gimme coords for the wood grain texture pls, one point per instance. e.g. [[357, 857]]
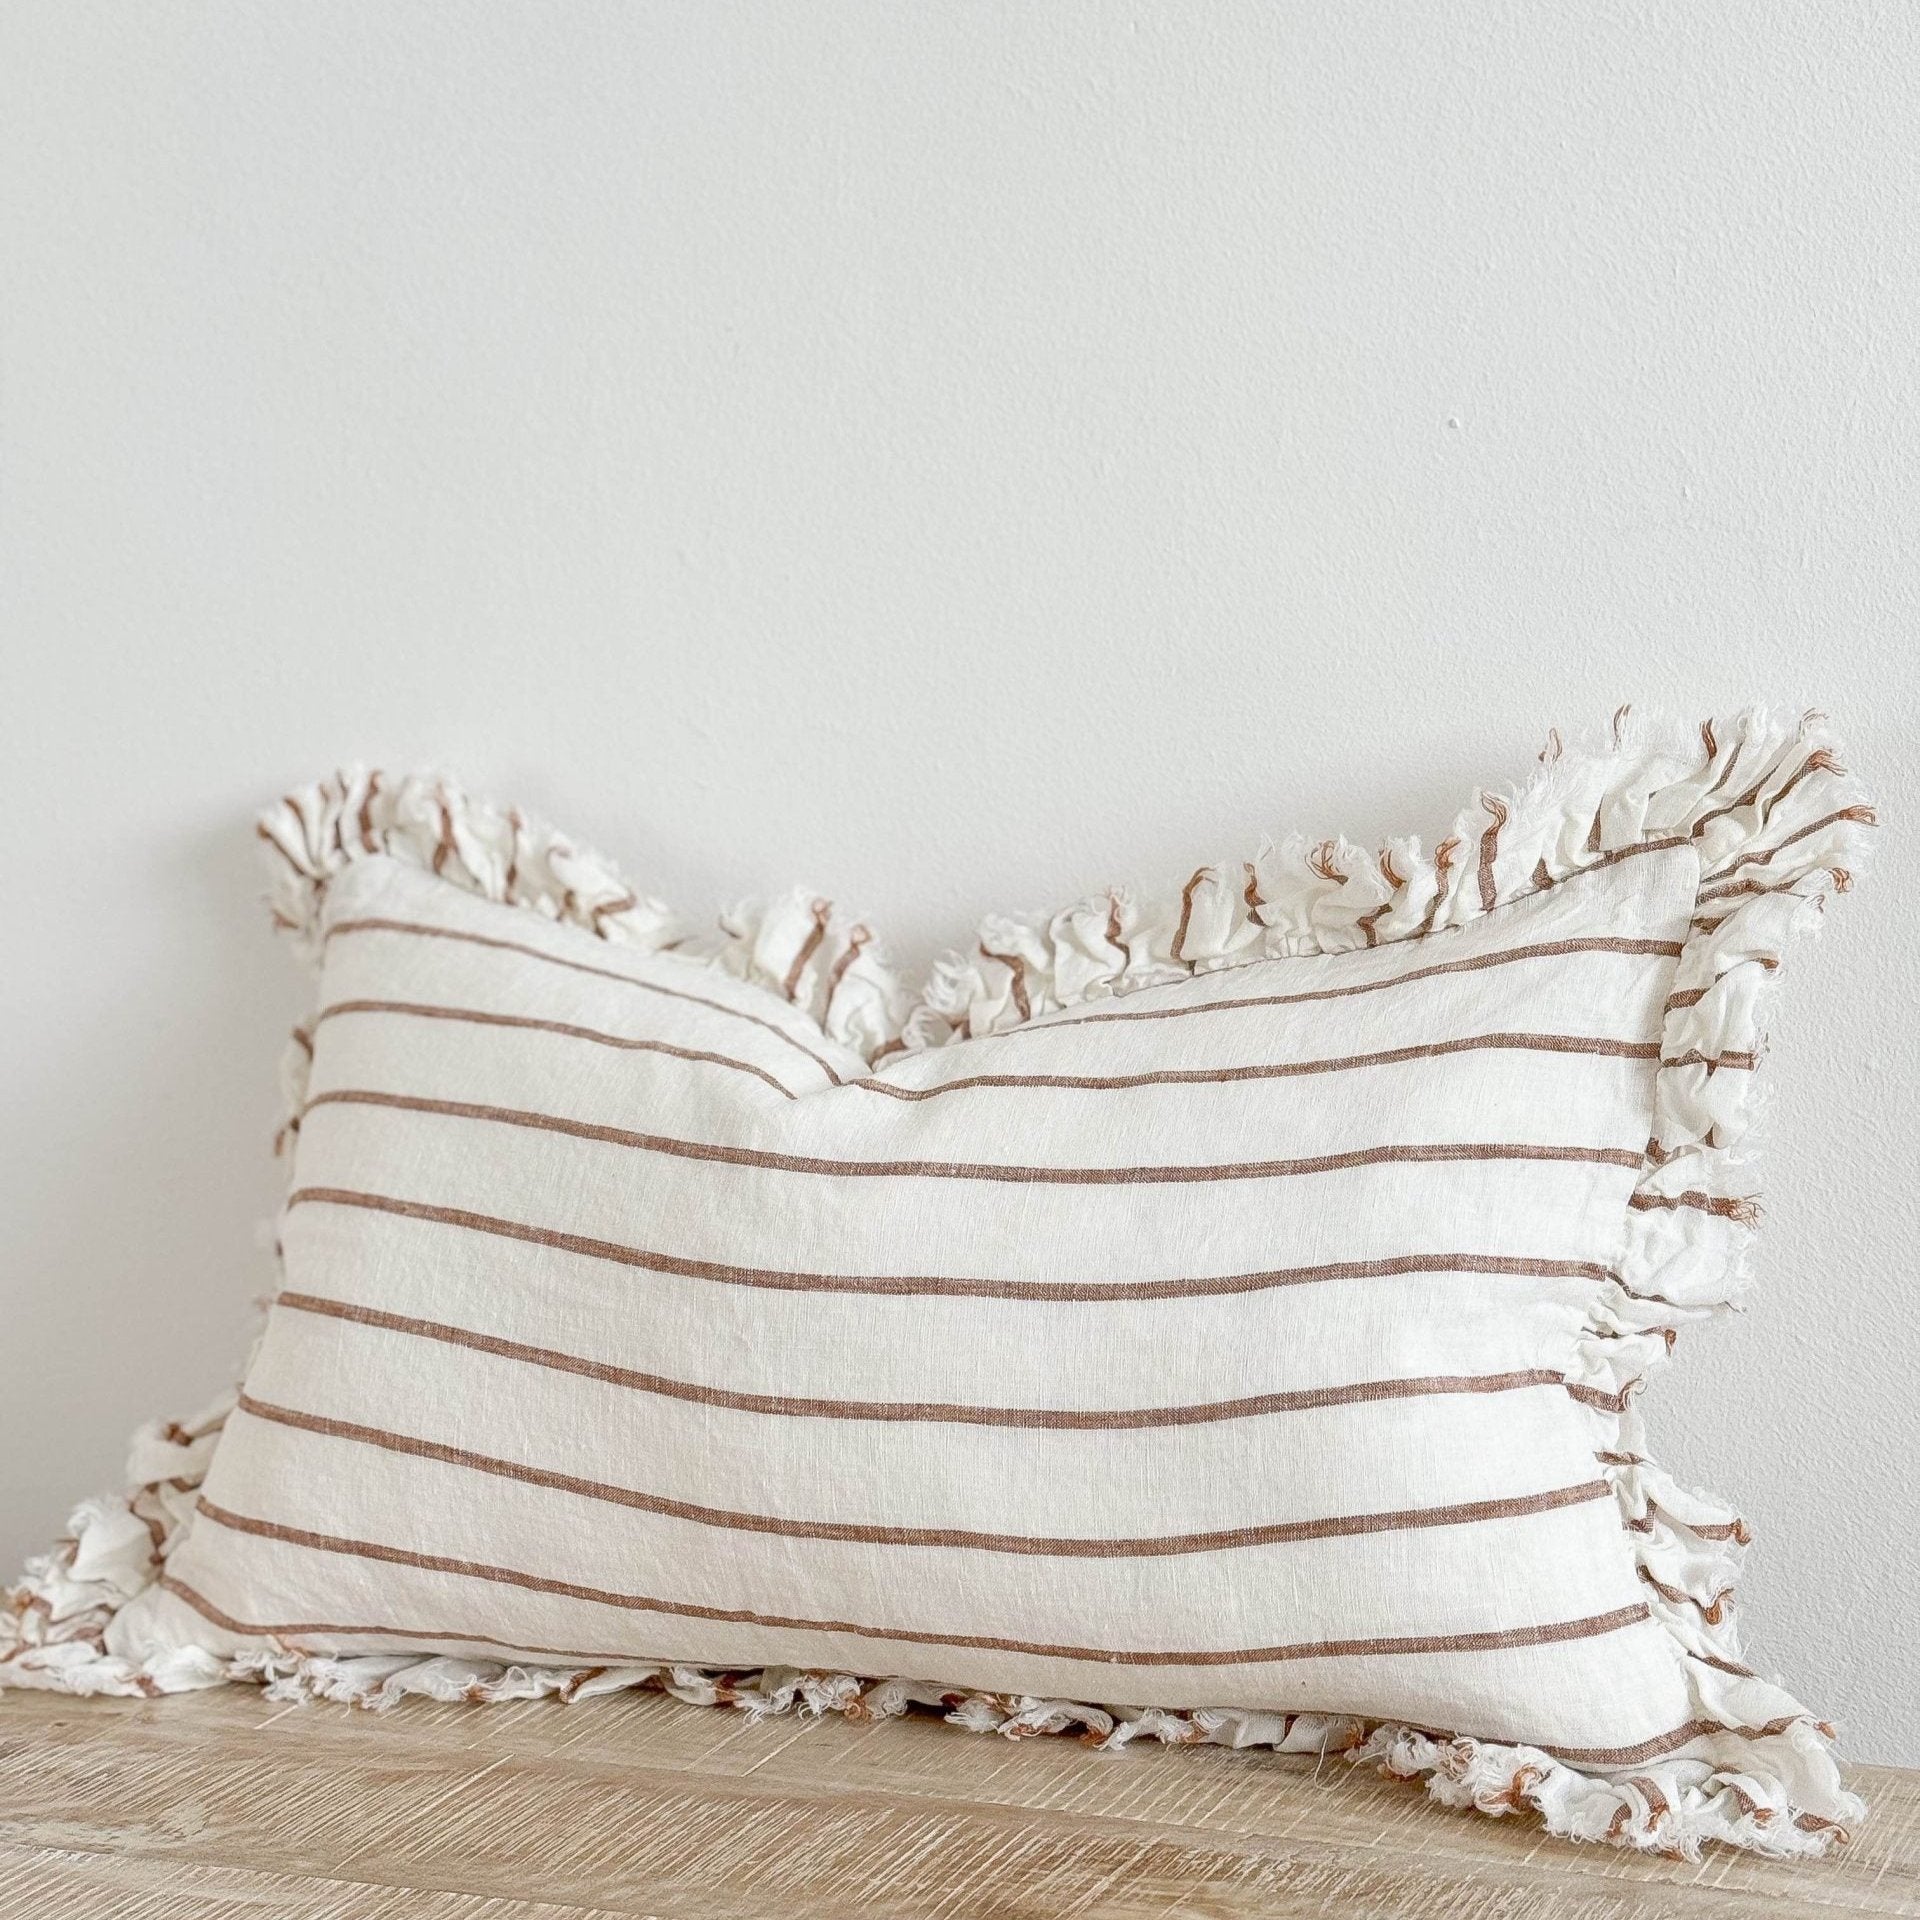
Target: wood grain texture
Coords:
[[219, 1805]]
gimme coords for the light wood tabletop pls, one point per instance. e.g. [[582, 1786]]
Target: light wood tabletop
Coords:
[[219, 1805]]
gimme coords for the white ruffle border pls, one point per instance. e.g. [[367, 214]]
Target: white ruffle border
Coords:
[[1778, 823]]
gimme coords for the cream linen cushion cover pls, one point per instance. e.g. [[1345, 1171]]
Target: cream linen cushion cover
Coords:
[[1215, 1318]]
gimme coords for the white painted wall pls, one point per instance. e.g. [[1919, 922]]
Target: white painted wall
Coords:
[[958, 455]]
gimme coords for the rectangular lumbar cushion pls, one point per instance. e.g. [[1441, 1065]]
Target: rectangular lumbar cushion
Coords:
[[1217, 1316]]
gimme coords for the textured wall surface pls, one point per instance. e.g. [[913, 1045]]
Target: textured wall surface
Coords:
[[959, 457]]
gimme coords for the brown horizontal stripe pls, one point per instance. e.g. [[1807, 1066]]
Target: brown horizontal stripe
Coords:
[[1287, 1070], [473, 1016], [1864, 815], [1743, 1208], [1711, 1611], [421, 930], [1538, 950], [1594, 1397], [1668, 1742], [706, 1150], [960, 1287], [1495, 1640], [1194, 1076], [1734, 1529], [1612, 858], [1714, 1062], [1278, 1533], [1068, 1419], [414, 1636], [1749, 889], [1601, 1757]]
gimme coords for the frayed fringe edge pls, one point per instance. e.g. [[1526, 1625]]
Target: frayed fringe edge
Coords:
[[1755, 789], [1778, 825], [1673, 1807], [819, 961]]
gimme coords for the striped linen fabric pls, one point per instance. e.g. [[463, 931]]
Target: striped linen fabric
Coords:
[[1231, 1307]]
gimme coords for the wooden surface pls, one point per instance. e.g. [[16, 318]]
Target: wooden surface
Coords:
[[218, 1805]]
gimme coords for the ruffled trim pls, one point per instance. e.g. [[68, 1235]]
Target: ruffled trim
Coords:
[[53, 1628], [1737, 790], [1672, 1808], [827, 965], [1778, 824]]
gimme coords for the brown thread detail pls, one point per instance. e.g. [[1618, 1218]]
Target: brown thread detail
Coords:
[[1252, 896], [447, 847], [367, 839], [1444, 1152], [1368, 923], [1524, 1780], [1186, 915], [1726, 772], [1613, 856], [1542, 879], [473, 1016], [822, 911], [1606, 1402], [1113, 932], [420, 930], [1744, 1210], [1665, 1743], [1322, 862], [517, 826], [1821, 760], [1711, 1611], [1561, 1043], [1015, 966], [1489, 844], [1119, 1419], [1537, 950], [607, 909], [1817, 1823], [1865, 816], [263, 832], [1735, 1529], [1038, 1546], [1499, 1640], [330, 1630], [1744, 889], [1746, 799], [916, 1285], [1442, 866], [857, 939]]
